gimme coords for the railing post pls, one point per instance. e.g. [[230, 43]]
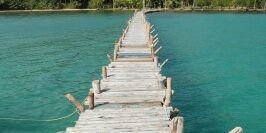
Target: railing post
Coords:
[[176, 125], [73, 100], [168, 92], [96, 86], [104, 72], [115, 50], [91, 100], [155, 60]]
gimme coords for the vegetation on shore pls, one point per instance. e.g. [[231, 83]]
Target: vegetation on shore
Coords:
[[82, 4]]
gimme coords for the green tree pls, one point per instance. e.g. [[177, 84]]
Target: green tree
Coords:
[[96, 3]]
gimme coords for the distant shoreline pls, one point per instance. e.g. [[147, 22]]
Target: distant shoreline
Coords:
[[186, 9], [64, 10], [219, 9]]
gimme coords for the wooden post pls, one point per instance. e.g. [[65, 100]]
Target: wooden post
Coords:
[[152, 51], [155, 60], [104, 72], [180, 123], [236, 130], [168, 92], [176, 125], [172, 125], [91, 100], [116, 50], [73, 100], [96, 86]]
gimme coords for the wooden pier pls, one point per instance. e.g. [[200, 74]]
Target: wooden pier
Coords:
[[132, 95]]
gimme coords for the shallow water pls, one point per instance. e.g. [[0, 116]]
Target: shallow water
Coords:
[[217, 61], [218, 65], [44, 55]]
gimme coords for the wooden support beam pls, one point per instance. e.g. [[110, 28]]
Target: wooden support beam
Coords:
[[155, 60], [236, 130], [155, 35], [91, 100], [156, 39], [104, 72], [155, 43], [152, 26], [180, 125], [73, 100], [157, 50], [96, 86], [152, 31], [165, 61], [168, 92], [176, 125]]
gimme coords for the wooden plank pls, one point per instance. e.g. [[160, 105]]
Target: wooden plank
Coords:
[[117, 130], [131, 116], [134, 60], [132, 93], [129, 89]]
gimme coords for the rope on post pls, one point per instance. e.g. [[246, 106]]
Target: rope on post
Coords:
[[37, 120], [44, 120]]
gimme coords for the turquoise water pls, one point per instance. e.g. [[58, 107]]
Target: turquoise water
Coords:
[[218, 65], [217, 61], [44, 55]]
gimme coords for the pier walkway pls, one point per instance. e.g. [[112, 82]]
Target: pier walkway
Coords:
[[132, 95]]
